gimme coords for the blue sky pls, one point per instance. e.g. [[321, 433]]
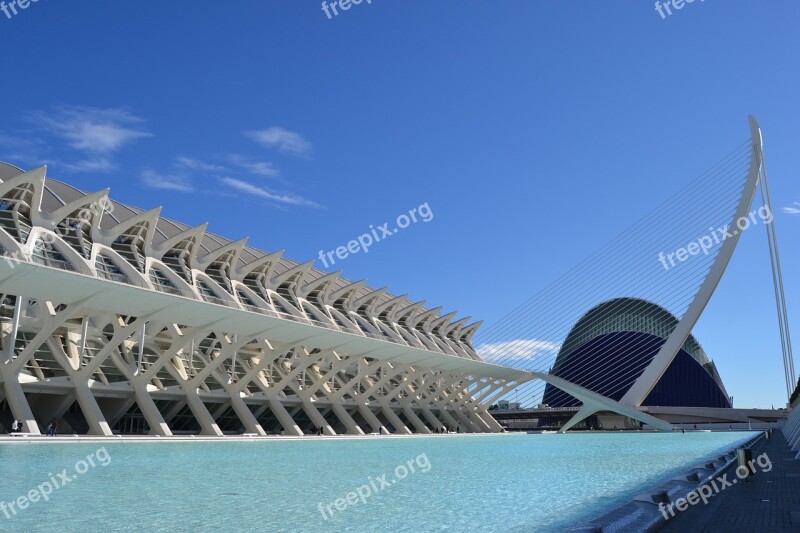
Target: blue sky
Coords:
[[534, 131]]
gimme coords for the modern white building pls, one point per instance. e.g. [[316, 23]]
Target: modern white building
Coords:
[[116, 320]]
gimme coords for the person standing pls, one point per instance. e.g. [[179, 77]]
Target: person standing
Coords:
[[14, 426]]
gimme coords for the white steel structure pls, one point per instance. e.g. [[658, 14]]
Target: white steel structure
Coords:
[[117, 320], [636, 269]]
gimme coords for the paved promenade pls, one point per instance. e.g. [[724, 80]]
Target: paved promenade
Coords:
[[72, 439], [770, 503]]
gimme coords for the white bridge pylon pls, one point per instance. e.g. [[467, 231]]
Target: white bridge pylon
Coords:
[[633, 398], [594, 402]]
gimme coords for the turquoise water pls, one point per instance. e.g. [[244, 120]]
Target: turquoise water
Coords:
[[471, 483]]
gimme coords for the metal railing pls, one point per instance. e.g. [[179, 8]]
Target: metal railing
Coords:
[[53, 263], [327, 325], [255, 309], [214, 300], [167, 289], [113, 276]]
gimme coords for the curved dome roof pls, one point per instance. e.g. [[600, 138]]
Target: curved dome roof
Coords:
[[57, 194], [627, 314]]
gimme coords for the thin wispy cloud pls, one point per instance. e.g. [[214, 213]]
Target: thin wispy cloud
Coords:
[[178, 178], [170, 182], [98, 164], [18, 149], [281, 139], [791, 210], [99, 133], [266, 194], [96, 134], [92, 129], [189, 163], [518, 350], [255, 167]]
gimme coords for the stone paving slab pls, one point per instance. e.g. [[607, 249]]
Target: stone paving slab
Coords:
[[768, 503]]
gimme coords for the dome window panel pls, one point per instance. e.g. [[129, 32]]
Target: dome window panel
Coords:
[[162, 283], [46, 254], [177, 259], [15, 212], [130, 245], [208, 293], [76, 231], [108, 269]]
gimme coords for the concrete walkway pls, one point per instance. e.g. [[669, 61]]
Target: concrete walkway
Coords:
[[72, 439], [769, 503]]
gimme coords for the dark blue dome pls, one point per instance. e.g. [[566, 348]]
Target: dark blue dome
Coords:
[[612, 344]]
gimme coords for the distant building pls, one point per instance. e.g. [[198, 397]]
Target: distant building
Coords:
[[505, 405], [621, 337]]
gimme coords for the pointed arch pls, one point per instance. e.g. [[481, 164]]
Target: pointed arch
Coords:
[[180, 251], [648, 379], [340, 298], [20, 200], [76, 222], [219, 264], [442, 323], [421, 321], [256, 274], [453, 331], [321, 286], [385, 310], [403, 316], [365, 305], [131, 237], [469, 331], [285, 284]]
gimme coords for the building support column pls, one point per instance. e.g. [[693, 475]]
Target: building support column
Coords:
[[415, 420], [316, 417], [244, 413], [493, 424], [91, 411], [321, 383], [19, 405], [208, 426], [431, 418], [347, 420], [400, 427], [478, 421], [290, 427], [466, 424], [370, 417], [150, 412]]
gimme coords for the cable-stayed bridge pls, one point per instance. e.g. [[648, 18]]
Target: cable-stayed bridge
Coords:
[[613, 334]]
